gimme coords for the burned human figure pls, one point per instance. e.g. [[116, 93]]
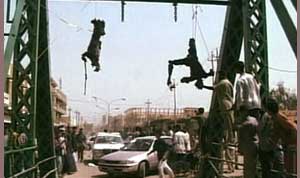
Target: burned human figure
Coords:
[[95, 44], [196, 70]]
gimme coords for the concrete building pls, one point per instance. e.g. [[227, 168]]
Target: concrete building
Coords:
[[59, 100], [141, 116], [7, 96], [59, 103]]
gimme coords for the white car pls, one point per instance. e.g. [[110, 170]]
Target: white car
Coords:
[[106, 143], [135, 158]]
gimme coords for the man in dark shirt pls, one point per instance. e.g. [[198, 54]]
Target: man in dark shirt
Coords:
[[81, 142], [163, 150]]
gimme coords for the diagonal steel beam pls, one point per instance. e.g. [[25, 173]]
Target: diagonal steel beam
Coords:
[[209, 2], [294, 2], [12, 37], [286, 23]]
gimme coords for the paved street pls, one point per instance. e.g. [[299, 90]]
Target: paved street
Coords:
[[86, 170], [89, 170]]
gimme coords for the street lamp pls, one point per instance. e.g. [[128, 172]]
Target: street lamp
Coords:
[[108, 104]]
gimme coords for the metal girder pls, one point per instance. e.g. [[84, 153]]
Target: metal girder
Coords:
[[255, 42], [12, 37], [212, 2], [286, 23], [31, 137], [24, 90], [294, 2], [44, 114], [229, 53]]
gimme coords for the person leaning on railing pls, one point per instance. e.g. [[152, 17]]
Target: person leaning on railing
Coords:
[[286, 131]]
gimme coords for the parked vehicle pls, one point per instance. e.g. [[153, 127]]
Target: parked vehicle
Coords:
[[135, 158], [106, 143]]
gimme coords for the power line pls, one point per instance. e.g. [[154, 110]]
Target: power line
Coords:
[[282, 70]]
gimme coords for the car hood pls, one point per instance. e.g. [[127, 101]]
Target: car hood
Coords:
[[125, 155], [116, 146]]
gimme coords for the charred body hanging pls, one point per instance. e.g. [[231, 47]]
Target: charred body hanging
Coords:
[[93, 51], [196, 70]]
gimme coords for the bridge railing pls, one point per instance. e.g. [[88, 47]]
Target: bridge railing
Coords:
[[219, 172], [15, 164]]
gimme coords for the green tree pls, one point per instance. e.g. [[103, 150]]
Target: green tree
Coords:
[[286, 98]]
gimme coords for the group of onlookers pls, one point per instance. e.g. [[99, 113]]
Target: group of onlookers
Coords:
[[69, 148], [263, 133]]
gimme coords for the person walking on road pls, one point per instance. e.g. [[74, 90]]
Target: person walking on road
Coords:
[[69, 163], [81, 143], [163, 150]]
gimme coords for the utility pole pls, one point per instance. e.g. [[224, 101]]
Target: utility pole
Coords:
[[173, 87], [148, 110], [70, 111], [214, 57]]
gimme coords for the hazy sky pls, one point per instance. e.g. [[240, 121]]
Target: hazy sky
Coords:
[[135, 53]]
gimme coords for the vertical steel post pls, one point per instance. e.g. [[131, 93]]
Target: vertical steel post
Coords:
[[255, 42], [44, 114], [229, 53], [24, 82]]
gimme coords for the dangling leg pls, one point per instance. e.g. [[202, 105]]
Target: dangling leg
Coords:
[[170, 68], [187, 79]]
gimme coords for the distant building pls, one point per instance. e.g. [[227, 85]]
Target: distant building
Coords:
[[141, 116], [59, 100], [7, 107], [7, 96], [59, 103], [116, 123]]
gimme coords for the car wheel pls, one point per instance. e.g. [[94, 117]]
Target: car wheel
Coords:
[[142, 171]]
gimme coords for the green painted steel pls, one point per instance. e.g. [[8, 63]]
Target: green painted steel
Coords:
[[31, 141], [286, 23], [23, 91], [44, 114], [294, 2], [8, 53], [249, 23], [229, 53], [209, 2], [255, 42]]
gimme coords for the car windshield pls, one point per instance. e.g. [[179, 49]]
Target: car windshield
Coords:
[[108, 139], [139, 145]]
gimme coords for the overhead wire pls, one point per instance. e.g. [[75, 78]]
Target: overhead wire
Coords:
[[202, 36], [282, 70]]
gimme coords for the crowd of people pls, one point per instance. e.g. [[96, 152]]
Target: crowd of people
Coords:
[[69, 148], [261, 131], [263, 134]]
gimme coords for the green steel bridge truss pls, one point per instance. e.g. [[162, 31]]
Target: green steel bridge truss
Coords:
[[32, 118]]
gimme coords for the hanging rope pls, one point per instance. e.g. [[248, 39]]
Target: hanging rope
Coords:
[[175, 11], [202, 36], [85, 78], [122, 10], [194, 20]]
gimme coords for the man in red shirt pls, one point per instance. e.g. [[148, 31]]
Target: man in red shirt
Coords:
[[286, 131]]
